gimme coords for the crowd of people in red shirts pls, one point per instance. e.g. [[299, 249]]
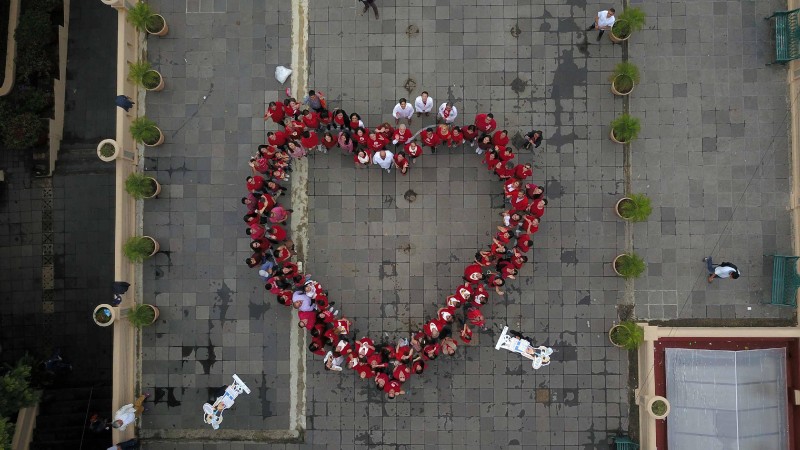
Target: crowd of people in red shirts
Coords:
[[389, 365]]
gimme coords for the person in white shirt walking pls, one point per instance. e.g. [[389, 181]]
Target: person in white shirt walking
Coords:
[[423, 104], [402, 110], [603, 21], [384, 159], [127, 414], [723, 270], [447, 113]]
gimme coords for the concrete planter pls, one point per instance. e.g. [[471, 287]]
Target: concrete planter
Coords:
[[657, 407], [616, 39], [616, 91], [615, 327], [617, 207], [614, 139], [163, 31], [155, 194], [159, 141], [614, 265], [156, 247], [160, 86], [104, 315], [104, 144]]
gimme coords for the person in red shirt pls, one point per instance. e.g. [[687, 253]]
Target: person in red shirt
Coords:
[[466, 333], [328, 141], [524, 243], [311, 119], [255, 183], [401, 373], [533, 191], [418, 366], [402, 135], [430, 138], [316, 345], [500, 138], [364, 371], [413, 150], [449, 346], [380, 380], [529, 224], [340, 120], [475, 316], [275, 112], [537, 207], [365, 347], [362, 158], [376, 142], [433, 328], [470, 135], [310, 140], [481, 295], [446, 314], [485, 122], [510, 187], [355, 122], [393, 388], [505, 154], [523, 171], [456, 137], [431, 351], [361, 136], [473, 274], [506, 269], [401, 162], [276, 138], [490, 159], [497, 283], [385, 130], [325, 119], [276, 233], [520, 201], [443, 134]]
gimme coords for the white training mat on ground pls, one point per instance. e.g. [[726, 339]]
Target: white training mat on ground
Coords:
[[540, 356], [212, 414], [727, 399]]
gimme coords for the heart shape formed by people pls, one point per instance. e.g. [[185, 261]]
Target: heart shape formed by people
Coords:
[[315, 129]]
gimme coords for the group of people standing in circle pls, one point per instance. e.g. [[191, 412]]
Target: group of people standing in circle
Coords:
[[388, 364]]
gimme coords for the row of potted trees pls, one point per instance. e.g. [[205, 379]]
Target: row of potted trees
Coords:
[[140, 186], [625, 76]]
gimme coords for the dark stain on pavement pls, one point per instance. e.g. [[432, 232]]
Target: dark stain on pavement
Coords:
[[519, 85], [554, 189], [568, 257], [169, 392], [566, 76], [258, 308], [266, 409], [585, 300]]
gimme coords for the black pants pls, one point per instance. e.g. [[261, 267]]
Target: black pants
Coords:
[[599, 35], [367, 4]]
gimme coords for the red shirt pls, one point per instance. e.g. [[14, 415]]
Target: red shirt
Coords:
[[277, 138], [521, 172], [537, 208], [278, 233], [387, 132], [276, 113], [481, 295], [505, 154], [413, 151], [434, 348], [456, 137], [430, 139], [362, 138], [402, 165], [416, 364], [355, 124], [446, 313], [472, 273], [256, 231], [402, 136], [321, 350], [375, 359], [365, 371], [482, 124], [340, 120], [433, 324], [522, 243], [377, 144], [469, 136], [288, 110], [282, 255], [463, 292], [382, 376], [519, 203], [499, 140], [401, 369], [311, 120], [255, 184], [444, 135], [366, 347], [528, 225], [328, 144], [309, 142], [392, 386]]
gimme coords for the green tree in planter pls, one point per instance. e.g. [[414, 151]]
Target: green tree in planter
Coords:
[[628, 335], [630, 265], [141, 316], [107, 150], [625, 76], [626, 128], [631, 20], [16, 391], [138, 248], [142, 74], [145, 130], [636, 208], [143, 18], [6, 433], [139, 186]]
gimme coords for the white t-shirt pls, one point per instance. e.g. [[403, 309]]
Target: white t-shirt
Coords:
[[603, 20], [385, 163], [723, 272], [423, 107], [453, 113], [400, 113]]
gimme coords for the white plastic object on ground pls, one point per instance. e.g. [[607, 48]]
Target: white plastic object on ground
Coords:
[[282, 73]]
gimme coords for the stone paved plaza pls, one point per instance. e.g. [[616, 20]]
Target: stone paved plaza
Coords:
[[387, 260]]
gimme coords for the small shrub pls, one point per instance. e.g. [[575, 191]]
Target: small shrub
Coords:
[[138, 248], [632, 19], [16, 391], [630, 265], [637, 208], [659, 408], [626, 128], [627, 335], [22, 131], [139, 186], [144, 130], [143, 18], [141, 316], [625, 76], [142, 74], [6, 433], [107, 150]]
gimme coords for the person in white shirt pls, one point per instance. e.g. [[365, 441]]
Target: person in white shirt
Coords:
[[724, 270], [402, 110], [333, 362], [447, 113], [423, 104], [384, 159], [603, 21], [127, 414]]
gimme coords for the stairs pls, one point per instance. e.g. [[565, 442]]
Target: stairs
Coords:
[[81, 160], [62, 422]]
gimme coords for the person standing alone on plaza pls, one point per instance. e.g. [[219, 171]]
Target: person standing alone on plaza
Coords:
[[723, 270], [603, 21], [367, 5]]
